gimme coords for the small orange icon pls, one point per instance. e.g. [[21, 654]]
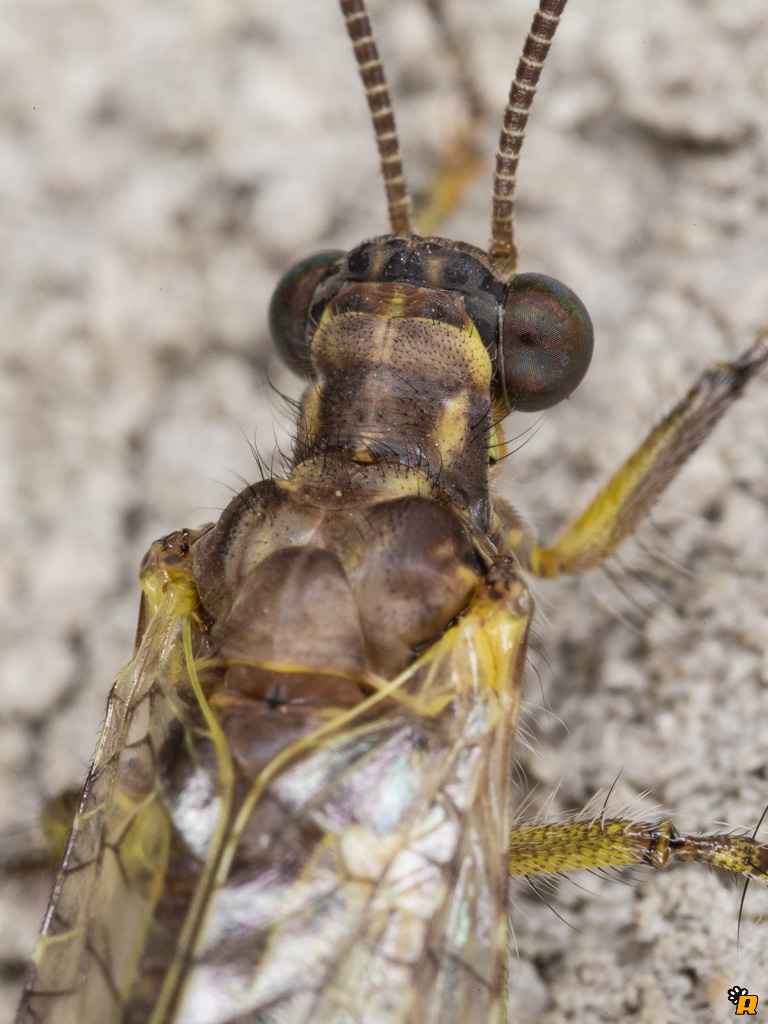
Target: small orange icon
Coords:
[[744, 1002]]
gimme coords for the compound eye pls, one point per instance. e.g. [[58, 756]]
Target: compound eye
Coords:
[[289, 309], [546, 343]]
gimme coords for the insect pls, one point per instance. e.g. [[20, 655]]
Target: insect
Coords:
[[755, 765]]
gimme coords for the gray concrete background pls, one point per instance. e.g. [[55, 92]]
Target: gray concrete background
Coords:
[[162, 162]]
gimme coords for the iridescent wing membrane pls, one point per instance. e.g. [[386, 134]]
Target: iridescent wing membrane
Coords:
[[244, 857]]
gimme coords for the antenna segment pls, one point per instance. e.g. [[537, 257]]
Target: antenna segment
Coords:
[[371, 70], [537, 43]]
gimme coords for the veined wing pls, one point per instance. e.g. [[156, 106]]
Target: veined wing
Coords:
[[378, 892], [114, 869], [359, 876]]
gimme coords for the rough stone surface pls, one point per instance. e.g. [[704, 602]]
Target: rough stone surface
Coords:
[[162, 163]]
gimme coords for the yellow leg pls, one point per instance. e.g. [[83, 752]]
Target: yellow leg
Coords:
[[619, 842], [619, 507]]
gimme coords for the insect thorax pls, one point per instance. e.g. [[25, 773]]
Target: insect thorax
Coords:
[[402, 373]]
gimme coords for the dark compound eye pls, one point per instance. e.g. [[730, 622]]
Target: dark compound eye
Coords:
[[545, 343], [290, 305]]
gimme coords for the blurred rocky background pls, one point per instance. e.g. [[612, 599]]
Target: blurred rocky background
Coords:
[[161, 163]]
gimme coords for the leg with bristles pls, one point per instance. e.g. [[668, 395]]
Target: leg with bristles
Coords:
[[623, 842], [621, 505]]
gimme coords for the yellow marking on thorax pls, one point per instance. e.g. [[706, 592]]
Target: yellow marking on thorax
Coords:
[[452, 428], [394, 481], [449, 358]]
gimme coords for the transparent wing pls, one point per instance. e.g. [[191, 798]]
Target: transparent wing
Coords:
[[367, 873], [359, 875], [114, 868]]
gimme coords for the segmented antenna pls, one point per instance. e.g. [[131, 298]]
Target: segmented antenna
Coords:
[[537, 43], [371, 70]]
